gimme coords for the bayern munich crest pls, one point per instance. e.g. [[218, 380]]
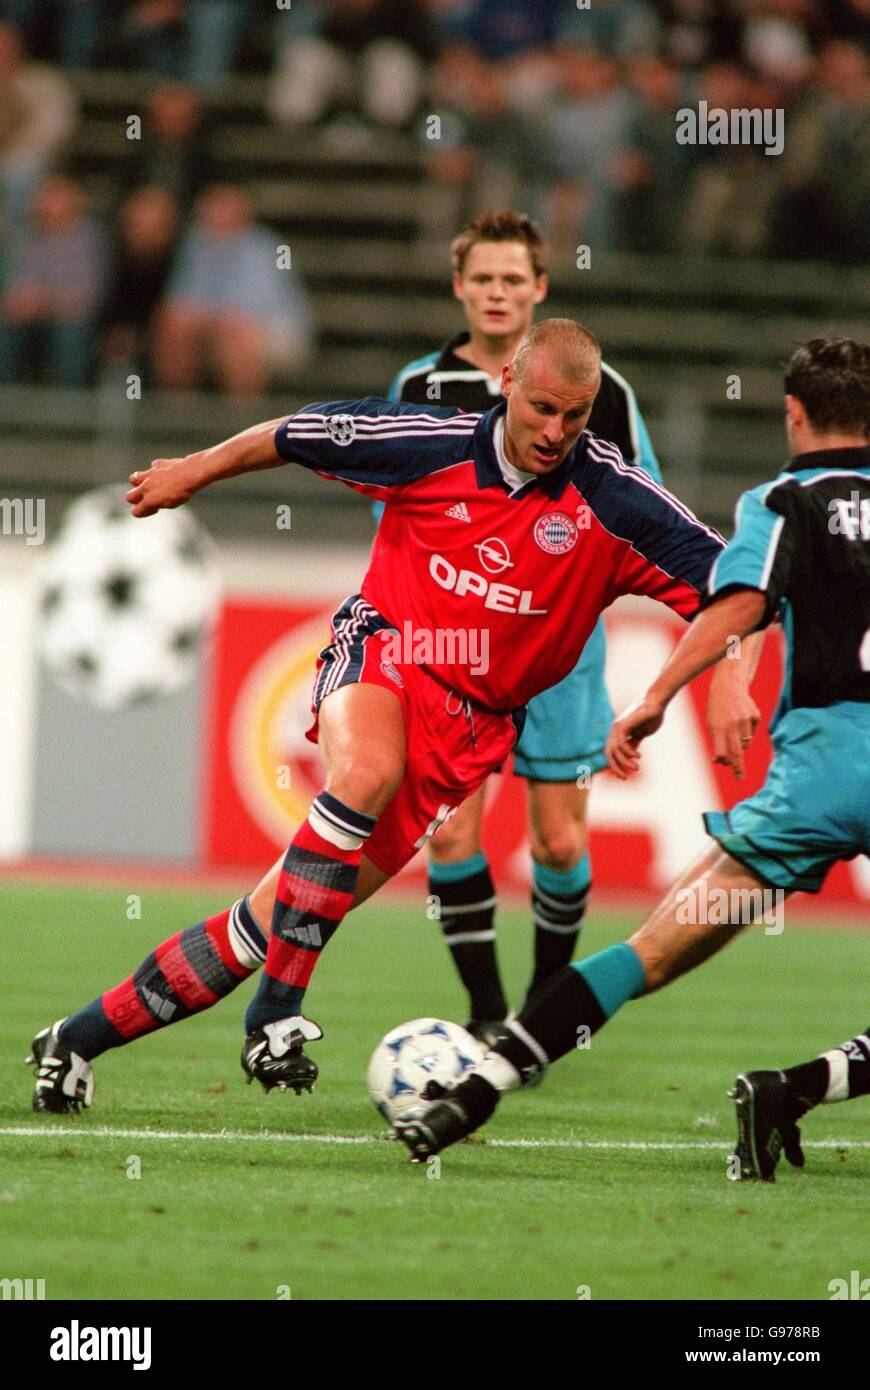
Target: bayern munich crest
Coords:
[[555, 533]]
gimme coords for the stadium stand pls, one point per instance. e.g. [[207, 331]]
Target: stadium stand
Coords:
[[349, 199]]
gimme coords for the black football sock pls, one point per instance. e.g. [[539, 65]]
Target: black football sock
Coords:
[[563, 1015], [465, 896], [559, 899], [841, 1074]]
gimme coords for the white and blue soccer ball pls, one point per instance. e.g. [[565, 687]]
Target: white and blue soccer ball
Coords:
[[414, 1054], [126, 603]]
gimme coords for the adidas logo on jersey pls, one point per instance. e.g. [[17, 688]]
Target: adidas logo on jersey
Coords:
[[459, 512]]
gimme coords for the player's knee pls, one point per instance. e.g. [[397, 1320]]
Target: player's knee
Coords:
[[452, 843], [365, 783], [557, 849]]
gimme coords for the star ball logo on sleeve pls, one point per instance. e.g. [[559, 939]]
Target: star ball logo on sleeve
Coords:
[[555, 533], [340, 428]]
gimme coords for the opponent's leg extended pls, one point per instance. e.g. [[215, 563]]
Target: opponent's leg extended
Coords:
[[580, 998], [461, 884], [196, 968]]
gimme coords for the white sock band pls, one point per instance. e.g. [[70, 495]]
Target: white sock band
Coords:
[[838, 1076], [243, 948], [327, 831]]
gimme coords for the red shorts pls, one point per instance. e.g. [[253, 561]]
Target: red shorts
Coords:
[[452, 745]]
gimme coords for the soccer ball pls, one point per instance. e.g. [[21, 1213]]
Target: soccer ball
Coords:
[[125, 602], [412, 1055]]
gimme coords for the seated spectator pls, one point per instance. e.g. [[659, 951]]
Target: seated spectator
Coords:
[[230, 308], [824, 207], [362, 55], [37, 117], [52, 293], [139, 269], [483, 151], [195, 41], [656, 167], [588, 130], [172, 150], [732, 188]]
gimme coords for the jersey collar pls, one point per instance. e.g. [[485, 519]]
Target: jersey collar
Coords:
[[489, 473], [448, 360], [858, 457]]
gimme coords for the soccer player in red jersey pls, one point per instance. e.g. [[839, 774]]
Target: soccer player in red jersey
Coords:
[[500, 276], [504, 538]]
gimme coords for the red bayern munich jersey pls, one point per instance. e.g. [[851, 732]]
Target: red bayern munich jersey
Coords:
[[532, 569]]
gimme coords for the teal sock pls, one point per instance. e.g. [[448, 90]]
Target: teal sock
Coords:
[[614, 976], [563, 881], [458, 869], [577, 999]]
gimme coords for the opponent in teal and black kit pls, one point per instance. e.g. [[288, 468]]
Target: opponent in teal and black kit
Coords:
[[804, 541]]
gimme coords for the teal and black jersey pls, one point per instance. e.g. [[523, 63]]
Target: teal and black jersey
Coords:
[[803, 540]]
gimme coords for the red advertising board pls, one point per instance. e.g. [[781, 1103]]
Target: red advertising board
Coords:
[[262, 772]]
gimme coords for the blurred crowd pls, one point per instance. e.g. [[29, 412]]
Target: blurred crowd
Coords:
[[565, 107]]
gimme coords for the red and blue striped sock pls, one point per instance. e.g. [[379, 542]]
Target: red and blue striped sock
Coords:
[[186, 974], [315, 890]]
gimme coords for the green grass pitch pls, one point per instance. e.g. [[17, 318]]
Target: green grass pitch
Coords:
[[632, 1215]]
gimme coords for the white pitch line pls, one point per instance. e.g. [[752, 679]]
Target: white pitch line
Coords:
[[262, 1136]]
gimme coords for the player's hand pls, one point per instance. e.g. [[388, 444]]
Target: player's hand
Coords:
[[167, 483], [635, 724], [732, 718]]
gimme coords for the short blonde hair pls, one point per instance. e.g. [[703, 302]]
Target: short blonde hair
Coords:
[[572, 350]]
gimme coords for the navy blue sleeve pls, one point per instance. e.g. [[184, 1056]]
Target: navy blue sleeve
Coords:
[[658, 526], [375, 443]]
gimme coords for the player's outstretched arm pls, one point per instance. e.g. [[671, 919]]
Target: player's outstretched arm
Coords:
[[732, 714], [171, 482], [706, 642]]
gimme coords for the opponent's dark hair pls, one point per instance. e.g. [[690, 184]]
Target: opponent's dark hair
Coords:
[[501, 225], [831, 379]]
